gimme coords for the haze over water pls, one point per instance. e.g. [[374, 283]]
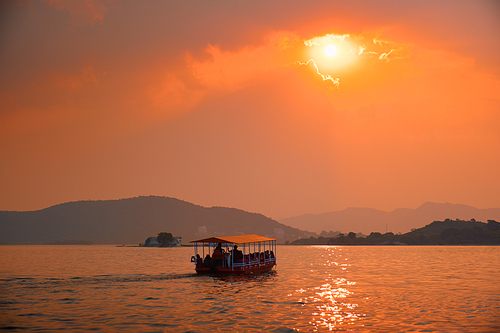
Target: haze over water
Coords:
[[314, 289]]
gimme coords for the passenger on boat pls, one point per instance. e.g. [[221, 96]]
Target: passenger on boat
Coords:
[[238, 255], [218, 255], [198, 260], [218, 252], [206, 262]]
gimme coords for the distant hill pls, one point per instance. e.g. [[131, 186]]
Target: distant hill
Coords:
[[131, 221], [447, 232], [401, 220]]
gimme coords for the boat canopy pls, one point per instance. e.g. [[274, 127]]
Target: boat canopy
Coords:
[[241, 239]]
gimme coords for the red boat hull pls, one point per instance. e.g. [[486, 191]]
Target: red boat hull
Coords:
[[243, 270]]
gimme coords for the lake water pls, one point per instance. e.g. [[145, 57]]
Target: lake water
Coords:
[[314, 289]]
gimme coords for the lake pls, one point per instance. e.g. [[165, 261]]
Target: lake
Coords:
[[314, 289]]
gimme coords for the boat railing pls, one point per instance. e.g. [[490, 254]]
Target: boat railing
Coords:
[[245, 263]]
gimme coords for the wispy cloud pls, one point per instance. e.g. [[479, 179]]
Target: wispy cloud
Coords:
[[328, 38], [325, 77]]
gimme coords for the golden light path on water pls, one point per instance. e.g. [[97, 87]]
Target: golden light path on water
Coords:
[[327, 304]]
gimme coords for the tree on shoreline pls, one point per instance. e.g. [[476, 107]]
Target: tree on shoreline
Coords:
[[164, 239]]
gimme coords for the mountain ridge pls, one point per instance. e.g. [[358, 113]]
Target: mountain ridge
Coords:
[[132, 220], [399, 220]]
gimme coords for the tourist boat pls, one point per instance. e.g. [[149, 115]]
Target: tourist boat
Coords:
[[236, 255]]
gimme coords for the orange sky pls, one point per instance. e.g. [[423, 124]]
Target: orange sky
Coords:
[[217, 103]]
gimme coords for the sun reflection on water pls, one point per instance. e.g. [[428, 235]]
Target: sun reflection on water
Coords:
[[329, 305]]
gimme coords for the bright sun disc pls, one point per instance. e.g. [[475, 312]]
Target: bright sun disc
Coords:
[[330, 50]]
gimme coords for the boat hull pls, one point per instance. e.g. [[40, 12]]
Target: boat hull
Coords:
[[244, 270]]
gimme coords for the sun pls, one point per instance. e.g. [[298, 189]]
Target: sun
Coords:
[[330, 50]]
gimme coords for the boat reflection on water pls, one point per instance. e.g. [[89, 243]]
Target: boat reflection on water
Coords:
[[227, 286]]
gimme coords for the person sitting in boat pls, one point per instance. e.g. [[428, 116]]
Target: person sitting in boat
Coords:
[[218, 252], [238, 255], [198, 260], [206, 262], [218, 255]]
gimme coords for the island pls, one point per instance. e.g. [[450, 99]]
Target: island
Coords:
[[164, 239]]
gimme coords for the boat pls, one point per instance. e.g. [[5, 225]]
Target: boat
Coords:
[[234, 255]]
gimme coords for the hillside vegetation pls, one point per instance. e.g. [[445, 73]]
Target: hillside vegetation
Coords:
[[447, 232]]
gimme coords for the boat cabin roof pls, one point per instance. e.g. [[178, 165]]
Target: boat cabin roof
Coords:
[[241, 239]]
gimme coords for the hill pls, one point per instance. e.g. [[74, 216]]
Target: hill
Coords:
[[447, 232], [131, 221], [401, 220]]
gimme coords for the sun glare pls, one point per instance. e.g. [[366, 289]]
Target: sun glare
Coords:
[[330, 50], [331, 55]]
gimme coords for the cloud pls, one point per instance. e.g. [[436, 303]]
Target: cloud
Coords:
[[352, 49], [227, 70], [393, 54], [325, 77], [82, 11], [357, 44], [326, 39], [88, 74], [53, 88], [171, 93], [284, 40]]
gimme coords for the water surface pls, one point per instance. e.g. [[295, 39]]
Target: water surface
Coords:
[[314, 289]]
